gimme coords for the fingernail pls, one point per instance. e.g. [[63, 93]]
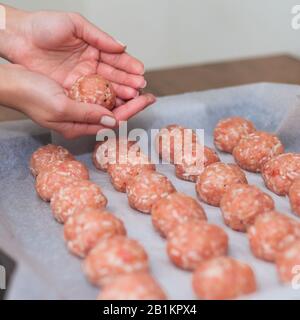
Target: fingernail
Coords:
[[121, 43], [137, 94], [108, 121], [151, 97], [144, 85]]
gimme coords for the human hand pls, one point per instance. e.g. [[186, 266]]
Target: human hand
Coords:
[[66, 46], [44, 100]]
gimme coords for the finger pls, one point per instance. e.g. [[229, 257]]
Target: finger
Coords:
[[94, 36], [74, 130], [123, 61], [73, 111], [124, 92], [119, 102], [121, 77], [133, 106]]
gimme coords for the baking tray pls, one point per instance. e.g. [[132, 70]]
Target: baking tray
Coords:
[[34, 240]]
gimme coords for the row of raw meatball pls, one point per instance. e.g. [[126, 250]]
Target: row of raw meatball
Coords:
[[273, 236], [113, 261], [259, 151], [245, 207], [255, 151], [192, 243]]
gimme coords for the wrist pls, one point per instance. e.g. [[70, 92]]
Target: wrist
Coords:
[[10, 89], [13, 30]]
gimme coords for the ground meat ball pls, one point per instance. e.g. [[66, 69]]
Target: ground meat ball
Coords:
[[191, 167], [94, 89], [294, 196], [296, 225], [280, 171], [121, 173], [44, 157], [242, 203], [194, 241], [171, 140], [85, 228], [112, 257], [146, 188], [271, 232], [75, 197], [176, 208], [228, 132], [137, 286], [104, 150], [223, 278], [240, 173], [50, 181], [215, 180], [254, 150], [288, 262]]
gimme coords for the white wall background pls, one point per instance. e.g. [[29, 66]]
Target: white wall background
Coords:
[[178, 32]]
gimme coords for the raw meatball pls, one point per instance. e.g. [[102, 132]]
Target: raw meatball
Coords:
[[215, 180], [50, 181], [288, 262], [280, 171], [194, 241], [176, 208], [75, 197], [133, 286], [272, 232], [94, 89], [112, 257], [146, 188], [171, 139], [296, 224], [44, 157], [104, 150], [294, 196], [223, 278], [255, 149], [191, 167], [229, 131], [85, 228], [242, 203], [120, 173]]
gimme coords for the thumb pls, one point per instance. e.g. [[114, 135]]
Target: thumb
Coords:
[[87, 113]]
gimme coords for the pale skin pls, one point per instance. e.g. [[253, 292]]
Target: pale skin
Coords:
[[47, 52]]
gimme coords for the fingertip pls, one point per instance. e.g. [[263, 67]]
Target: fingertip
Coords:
[[125, 92], [150, 97], [115, 46], [124, 46], [108, 121], [139, 68]]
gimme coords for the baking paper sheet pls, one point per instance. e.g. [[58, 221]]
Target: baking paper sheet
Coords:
[[31, 236]]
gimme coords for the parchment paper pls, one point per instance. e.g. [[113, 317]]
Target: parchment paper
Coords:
[[31, 236]]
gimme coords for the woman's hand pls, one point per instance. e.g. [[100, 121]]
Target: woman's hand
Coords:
[[66, 46], [44, 100], [49, 52]]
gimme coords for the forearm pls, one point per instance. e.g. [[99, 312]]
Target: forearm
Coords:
[[14, 19], [11, 88]]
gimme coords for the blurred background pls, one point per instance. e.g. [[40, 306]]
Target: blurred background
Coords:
[[197, 44], [166, 33]]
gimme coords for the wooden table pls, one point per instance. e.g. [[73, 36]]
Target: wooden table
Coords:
[[280, 68]]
